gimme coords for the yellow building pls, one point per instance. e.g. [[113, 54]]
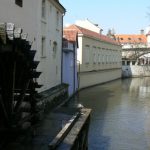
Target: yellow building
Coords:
[[99, 57]]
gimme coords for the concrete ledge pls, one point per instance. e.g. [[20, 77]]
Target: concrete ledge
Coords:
[[63, 133], [70, 138]]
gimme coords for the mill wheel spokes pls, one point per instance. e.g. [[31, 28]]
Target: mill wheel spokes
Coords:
[[17, 79]]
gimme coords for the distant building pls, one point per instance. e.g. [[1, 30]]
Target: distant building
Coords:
[[132, 40], [99, 57], [134, 45], [135, 52], [70, 45]]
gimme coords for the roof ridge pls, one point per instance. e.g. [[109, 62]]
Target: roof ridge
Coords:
[[88, 32], [131, 38], [129, 34], [95, 32]]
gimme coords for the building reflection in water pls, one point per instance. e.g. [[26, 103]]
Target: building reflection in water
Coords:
[[121, 114]]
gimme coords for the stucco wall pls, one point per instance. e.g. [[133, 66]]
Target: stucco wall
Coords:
[[23, 17], [99, 61], [106, 55], [51, 61], [29, 18], [135, 71], [92, 78]]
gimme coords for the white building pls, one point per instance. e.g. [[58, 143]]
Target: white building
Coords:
[[99, 57], [42, 20], [87, 24]]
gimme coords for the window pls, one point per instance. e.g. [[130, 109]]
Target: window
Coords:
[[94, 55], [128, 63], [57, 19], [99, 58], [50, 8], [140, 40], [133, 62], [87, 54], [123, 63], [103, 59], [43, 9], [65, 44], [43, 47], [56, 69], [19, 3], [54, 48]]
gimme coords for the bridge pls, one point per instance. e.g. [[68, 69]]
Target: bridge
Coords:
[[134, 53]]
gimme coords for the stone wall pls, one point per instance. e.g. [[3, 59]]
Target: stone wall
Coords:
[[97, 77], [135, 71]]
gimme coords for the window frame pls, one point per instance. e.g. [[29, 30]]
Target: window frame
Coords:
[[43, 47], [43, 9], [19, 3]]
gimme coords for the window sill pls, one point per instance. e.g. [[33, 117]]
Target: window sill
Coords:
[[43, 57], [43, 20]]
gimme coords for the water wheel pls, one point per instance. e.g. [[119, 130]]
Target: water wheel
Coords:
[[18, 83]]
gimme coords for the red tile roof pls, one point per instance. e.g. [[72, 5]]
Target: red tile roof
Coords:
[[70, 35], [131, 38], [90, 33]]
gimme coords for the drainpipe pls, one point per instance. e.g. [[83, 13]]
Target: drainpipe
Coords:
[[62, 52], [74, 65]]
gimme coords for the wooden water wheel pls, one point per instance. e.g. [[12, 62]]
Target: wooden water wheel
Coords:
[[18, 83]]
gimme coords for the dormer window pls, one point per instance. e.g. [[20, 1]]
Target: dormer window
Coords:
[[19, 3], [121, 38], [140, 39], [129, 38]]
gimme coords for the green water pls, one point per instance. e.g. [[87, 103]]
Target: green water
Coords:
[[120, 118]]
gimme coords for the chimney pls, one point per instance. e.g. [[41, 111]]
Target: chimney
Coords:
[[142, 31], [101, 30]]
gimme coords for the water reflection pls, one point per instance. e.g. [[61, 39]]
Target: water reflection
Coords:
[[121, 114]]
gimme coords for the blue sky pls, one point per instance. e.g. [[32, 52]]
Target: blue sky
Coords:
[[125, 16]]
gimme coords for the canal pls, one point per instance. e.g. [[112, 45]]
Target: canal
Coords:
[[120, 117]]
